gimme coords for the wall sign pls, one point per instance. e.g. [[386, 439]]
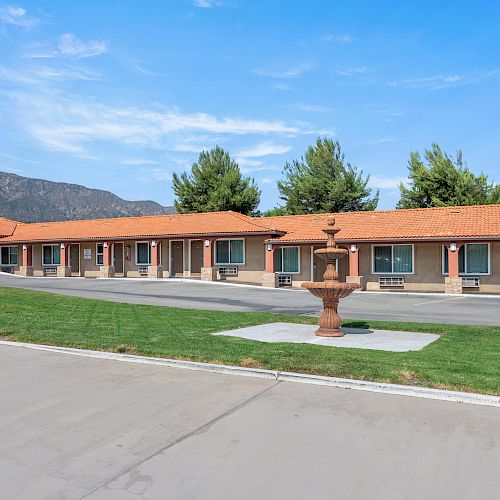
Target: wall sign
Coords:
[[87, 253]]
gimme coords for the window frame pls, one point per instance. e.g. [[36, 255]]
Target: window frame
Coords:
[[10, 264], [392, 272], [97, 254], [217, 263], [137, 254], [51, 255], [465, 245], [298, 257]]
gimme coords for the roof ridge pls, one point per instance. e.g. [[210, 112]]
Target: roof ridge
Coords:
[[127, 217], [389, 210], [249, 219]]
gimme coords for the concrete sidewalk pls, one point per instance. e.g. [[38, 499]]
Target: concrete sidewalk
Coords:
[[73, 427]]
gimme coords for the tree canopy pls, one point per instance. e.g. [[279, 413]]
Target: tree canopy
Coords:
[[322, 181], [444, 181], [215, 184]]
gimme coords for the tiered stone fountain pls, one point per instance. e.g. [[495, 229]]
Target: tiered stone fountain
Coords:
[[330, 290]]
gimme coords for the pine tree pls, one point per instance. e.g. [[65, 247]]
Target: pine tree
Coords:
[[322, 181], [215, 184], [444, 181]]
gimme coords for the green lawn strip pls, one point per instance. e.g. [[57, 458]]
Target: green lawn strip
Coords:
[[464, 358]]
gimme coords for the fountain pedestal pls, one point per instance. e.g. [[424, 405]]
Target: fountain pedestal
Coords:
[[330, 290]]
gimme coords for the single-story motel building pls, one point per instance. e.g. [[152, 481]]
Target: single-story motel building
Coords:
[[450, 249]]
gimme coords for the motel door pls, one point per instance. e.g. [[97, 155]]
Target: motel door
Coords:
[[177, 258], [74, 258], [196, 256], [118, 258]]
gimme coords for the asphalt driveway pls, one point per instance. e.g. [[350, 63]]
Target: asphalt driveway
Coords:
[[74, 428], [464, 309]]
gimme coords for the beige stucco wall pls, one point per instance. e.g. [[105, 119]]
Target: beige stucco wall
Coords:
[[254, 267], [428, 275]]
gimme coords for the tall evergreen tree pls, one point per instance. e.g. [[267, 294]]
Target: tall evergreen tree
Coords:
[[444, 181], [215, 184], [322, 181]]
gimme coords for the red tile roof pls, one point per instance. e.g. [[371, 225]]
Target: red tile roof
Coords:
[[473, 222], [7, 226], [214, 223]]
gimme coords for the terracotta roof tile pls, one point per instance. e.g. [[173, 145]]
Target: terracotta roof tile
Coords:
[[214, 223], [474, 222], [7, 226]]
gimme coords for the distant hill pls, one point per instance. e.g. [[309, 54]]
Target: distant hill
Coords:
[[36, 200]]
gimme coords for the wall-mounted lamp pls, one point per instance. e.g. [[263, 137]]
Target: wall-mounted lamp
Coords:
[[105, 244], [63, 246], [353, 248], [453, 247], [269, 247], [207, 243], [153, 243], [25, 247]]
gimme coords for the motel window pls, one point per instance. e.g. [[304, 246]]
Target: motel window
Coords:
[[99, 254], [143, 253], [8, 256], [473, 258], [51, 255], [286, 260], [393, 259], [229, 252]]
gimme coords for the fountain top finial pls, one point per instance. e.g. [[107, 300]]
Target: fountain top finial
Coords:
[[330, 221]]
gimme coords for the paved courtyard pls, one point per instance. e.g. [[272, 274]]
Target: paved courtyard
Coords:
[[74, 428], [464, 309]]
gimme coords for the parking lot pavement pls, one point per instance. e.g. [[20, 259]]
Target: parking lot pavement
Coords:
[[74, 427], [431, 308]]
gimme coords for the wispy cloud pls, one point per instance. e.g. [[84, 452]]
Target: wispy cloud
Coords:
[[381, 140], [66, 124], [290, 72], [311, 108], [17, 16], [340, 38], [352, 71], [438, 82], [206, 4], [37, 74], [267, 180], [138, 161], [264, 149], [69, 46], [380, 182], [282, 86]]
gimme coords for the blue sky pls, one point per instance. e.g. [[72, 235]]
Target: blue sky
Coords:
[[118, 95]]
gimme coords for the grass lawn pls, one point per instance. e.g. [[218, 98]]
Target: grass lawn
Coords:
[[464, 358]]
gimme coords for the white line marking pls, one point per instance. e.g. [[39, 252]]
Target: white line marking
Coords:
[[434, 301]]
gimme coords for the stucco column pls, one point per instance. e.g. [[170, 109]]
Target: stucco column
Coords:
[[453, 282], [155, 270], [208, 271], [107, 270], [26, 267], [354, 276], [270, 277], [63, 269]]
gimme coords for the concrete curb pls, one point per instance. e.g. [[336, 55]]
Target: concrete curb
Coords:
[[359, 385]]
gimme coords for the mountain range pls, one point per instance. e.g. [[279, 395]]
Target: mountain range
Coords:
[[27, 199]]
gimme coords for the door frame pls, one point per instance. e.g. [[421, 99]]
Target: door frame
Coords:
[[170, 256], [190, 254], [122, 243], [69, 257]]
